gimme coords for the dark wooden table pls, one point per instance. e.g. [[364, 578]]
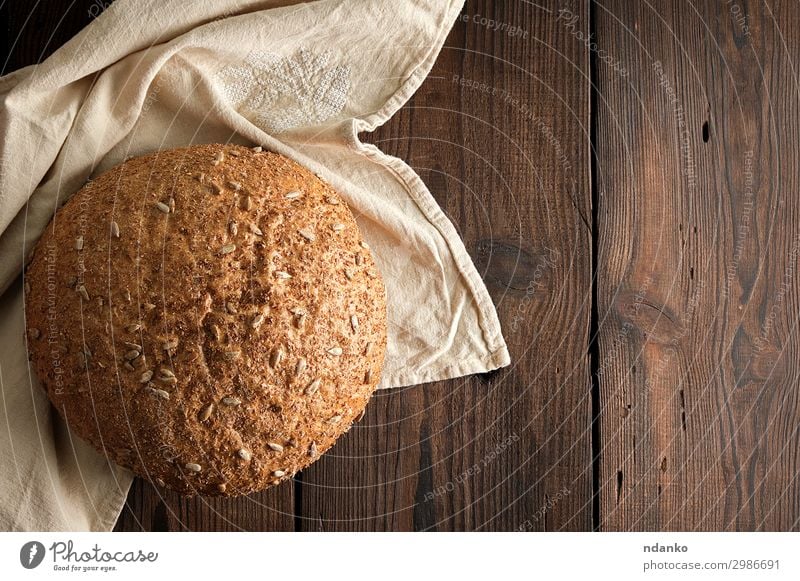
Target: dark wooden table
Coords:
[[625, 176]]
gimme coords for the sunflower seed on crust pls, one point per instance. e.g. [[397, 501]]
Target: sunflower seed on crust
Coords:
[[169, 344], [227, 249], [312, 450], [206, 412], [257, 149], [307, 234], [192, 467], [216, 332], [162, 207], [114, 229], [256, 321], [275, 446], [300, 366], [131, 355], [231, 401], [337, 227], [79, 243], [160, 393], [292, 195], [81, 290], [335, 351], [243, 454], [313, 387], [275, 357], [335, 419], [133, 328], [282, 275], [255, 230], [146, 376], [354, 322], [279, 473], [219, 158]]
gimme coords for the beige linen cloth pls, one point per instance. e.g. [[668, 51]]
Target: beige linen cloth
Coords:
[[302, 79]]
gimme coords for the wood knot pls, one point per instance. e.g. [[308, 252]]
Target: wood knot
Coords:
[[755, 360], [767, 366], [505, 265], [655, 321]]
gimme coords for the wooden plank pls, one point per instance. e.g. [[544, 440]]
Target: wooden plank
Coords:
[[151, 509], [698, 245], [499, 132]]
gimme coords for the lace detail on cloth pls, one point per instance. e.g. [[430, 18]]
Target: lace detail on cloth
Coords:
[[281, 93]]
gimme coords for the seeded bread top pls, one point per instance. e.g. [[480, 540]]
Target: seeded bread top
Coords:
[[208, 317]]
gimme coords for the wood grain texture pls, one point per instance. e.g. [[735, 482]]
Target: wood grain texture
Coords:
[[499, 133], [151, 509], [698, 247], [696, 365]]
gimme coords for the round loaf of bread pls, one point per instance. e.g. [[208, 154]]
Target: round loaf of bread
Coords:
[[208, 317]]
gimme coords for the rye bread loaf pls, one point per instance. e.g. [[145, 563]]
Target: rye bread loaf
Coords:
[[208, 317]]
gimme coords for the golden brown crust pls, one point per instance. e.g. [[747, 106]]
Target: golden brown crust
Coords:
[[208, 317]]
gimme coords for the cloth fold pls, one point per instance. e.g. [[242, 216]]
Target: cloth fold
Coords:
[[302, 79]]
